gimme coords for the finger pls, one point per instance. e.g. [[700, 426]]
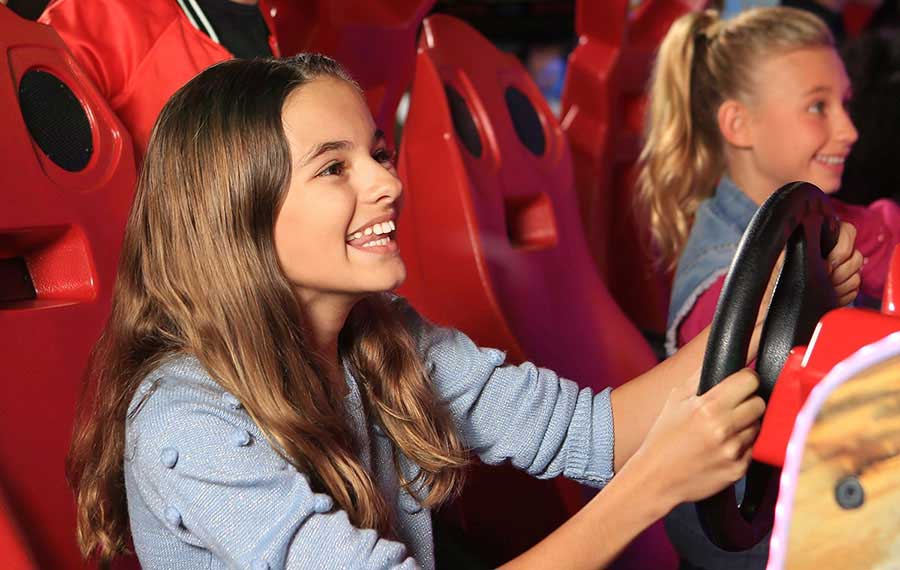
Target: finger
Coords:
[[746, 437], [847, 269], [735, 389], [747, 413], [845, 300], [851, 285], [843, 249]]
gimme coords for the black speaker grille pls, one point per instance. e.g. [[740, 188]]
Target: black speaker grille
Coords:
[[463, 123], [525, 120], [56, 120]]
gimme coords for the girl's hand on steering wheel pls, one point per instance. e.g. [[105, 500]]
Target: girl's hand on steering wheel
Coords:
[[701, 444], [844, 265]]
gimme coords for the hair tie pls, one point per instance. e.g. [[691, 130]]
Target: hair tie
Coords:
[[702, 40]]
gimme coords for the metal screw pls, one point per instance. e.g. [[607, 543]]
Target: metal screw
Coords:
[[849, 493]]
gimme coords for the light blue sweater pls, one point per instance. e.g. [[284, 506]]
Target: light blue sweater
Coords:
[[206, 491]]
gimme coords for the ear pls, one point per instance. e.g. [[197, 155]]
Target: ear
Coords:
[[735, 123]]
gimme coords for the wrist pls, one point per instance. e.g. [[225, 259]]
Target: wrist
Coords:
[[651, 493]]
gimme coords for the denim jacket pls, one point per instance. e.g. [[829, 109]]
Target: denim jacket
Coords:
[[718, 227]]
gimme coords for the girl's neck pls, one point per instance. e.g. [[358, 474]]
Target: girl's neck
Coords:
[[324, 317], [747, 177]]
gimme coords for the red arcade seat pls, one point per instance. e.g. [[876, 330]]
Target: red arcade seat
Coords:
[[494, 246], [66, 180], [374, 39], [13, 551], [602, 115]]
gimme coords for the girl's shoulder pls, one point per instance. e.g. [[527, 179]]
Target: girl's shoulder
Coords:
[[180, 401], [179, 378]]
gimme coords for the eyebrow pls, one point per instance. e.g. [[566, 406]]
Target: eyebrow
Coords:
[[329, 146], [819, 89], [324, 147]]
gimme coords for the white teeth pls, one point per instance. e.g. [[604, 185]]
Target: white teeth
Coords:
[[376, 229], [373, 243], [828, 159]]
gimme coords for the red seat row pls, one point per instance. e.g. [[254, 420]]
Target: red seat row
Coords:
[[492, 235]]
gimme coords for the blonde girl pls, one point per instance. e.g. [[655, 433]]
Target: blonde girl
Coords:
[[737, 109], [259, 400]]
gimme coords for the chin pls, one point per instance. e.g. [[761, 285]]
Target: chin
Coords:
[[398, 281]]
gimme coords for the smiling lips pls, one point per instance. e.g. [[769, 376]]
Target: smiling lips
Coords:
[[379, 235], [831, 160]]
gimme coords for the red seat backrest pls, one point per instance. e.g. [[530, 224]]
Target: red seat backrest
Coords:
[[373, 39], [14, 553], [66, 183], [494, 246], [603, 103]]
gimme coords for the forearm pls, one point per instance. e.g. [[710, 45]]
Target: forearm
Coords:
[[592, 538], [636, 404]]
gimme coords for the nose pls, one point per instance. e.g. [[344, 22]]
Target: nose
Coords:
[[846, 131], [384, 187]]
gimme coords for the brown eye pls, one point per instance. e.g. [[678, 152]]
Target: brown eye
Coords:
[[384, 156], [333, 169]]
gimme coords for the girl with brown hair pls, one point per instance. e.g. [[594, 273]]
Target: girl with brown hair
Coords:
[[259, 399]]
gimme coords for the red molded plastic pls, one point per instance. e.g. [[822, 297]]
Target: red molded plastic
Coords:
[[373, 39], [13, 551], [67, 226], [494, 247], [839, 334], [602, 115]]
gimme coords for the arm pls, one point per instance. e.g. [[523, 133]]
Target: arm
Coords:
[[203, 468], [541, 423], [697, 446]]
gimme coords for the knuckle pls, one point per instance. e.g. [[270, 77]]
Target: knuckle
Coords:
[[719, 433], [732, 451]]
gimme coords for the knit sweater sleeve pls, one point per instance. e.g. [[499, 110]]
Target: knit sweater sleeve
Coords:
[[541, 423], [206, 474]]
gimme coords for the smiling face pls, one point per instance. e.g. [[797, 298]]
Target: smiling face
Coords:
[[334, 234], [799, 124]]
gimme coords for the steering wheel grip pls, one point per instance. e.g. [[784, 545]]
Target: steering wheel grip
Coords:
[[799, 219]]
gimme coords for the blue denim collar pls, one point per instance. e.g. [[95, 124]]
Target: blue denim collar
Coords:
[[718, 226], [730, 203]]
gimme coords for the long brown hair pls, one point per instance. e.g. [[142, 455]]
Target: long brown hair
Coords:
[[703, 61], [198, 275]]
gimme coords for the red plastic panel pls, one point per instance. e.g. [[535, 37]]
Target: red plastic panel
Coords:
[[602, 114], [13, 552], [839, 334], [494, 246], [66, 227], [374, 39]]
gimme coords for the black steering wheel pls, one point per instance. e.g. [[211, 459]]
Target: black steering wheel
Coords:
[[799, 219]]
